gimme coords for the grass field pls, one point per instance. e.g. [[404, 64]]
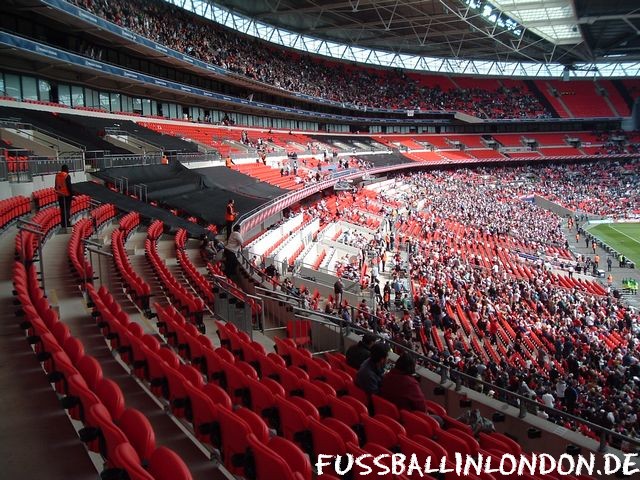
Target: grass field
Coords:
[[623, 237]]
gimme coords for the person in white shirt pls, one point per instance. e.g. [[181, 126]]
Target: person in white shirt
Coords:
[[548, 400], [231, 250], [235, 240]]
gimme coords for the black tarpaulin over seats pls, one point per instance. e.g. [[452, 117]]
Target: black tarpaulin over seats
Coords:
[[128, 204], [234, 181], [210, 204], [201, 193], [384, 159], [162, 181]]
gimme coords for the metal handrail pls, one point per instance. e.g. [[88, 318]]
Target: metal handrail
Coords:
[[120, 131], [36, 229], [28, 126]]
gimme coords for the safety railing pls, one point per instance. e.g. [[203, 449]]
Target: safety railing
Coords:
[[26, 127], [34, 166], [234, 306], [102, 161], [195, 157]]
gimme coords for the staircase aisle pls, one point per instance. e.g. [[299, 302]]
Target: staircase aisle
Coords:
[[37, 439], [63, 291]]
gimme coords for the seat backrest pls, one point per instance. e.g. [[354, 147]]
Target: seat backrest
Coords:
[[233, 432], [377, 432], [384, 407], [192, 375], [135, 425], [74, 349], [325, 440], [98, 416], [90, 370], [418, 424], [267, 463], [61, 332], [293, 420], [125, 458], [218, 395], [111, 396], [77, 387], [165, 464], [203, 409], [343, 411]]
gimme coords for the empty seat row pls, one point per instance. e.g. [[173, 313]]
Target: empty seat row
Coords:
[[45, 221], [82, 230], [12, 208], [88, 397], [205, 405], [135, 286], [190, 304], [44, 197], [196, 279]]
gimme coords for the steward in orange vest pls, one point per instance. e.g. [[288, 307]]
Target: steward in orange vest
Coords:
[[62, 187], [230, 216]]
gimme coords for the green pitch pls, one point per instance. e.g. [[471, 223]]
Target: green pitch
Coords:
[[623, 237]]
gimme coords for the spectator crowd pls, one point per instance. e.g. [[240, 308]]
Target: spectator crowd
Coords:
[[363, 88], [567, 348]]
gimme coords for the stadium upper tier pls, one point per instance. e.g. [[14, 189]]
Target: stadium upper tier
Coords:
[[359, 87]]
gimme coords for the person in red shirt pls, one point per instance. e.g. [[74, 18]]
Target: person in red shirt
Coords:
[[401, 388]]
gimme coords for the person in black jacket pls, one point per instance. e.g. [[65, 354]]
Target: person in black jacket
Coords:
[[359, 352], [369, 376]]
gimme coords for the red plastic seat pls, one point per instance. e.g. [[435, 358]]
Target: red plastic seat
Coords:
[[74, 349], [292, 420], [513, 447], [450, 422], [282, 464], [325, 440], [384, 407], [175, 390], [165, 464], [357, 405], [313, 393], [436, 408], [202, 412], [90, 370], [98, 416], [79, 397], [234, 432], [393, 424], [377, 450], [135, 425], [343, 430], [125, 458], [412, 447], [343, 411], [377, 432], [218, 395], [438, 450], [260, 399], [111, 396], [452, 443], [419, 424], [306, 406]]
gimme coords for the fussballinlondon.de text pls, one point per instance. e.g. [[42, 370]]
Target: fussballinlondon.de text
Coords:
[[464, 465]]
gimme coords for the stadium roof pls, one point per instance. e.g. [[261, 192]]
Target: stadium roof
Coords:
[[500, 37]]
